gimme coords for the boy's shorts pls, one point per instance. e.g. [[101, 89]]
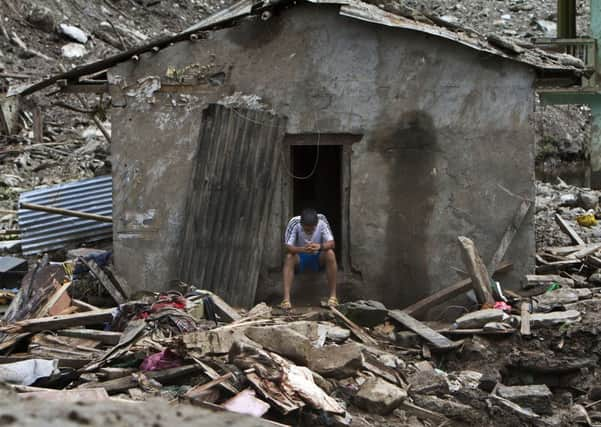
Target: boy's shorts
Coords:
[[309, 262]]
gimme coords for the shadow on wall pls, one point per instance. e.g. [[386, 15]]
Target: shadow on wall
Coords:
[[409, 147]]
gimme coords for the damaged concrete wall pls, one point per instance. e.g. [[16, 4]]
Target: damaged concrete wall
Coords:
[[447, 146]]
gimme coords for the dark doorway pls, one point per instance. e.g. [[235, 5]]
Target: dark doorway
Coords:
[[322, 188]]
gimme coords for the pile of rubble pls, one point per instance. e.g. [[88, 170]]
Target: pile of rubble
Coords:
[[528, 361]]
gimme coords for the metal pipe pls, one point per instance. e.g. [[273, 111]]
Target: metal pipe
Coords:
[[66, 212]]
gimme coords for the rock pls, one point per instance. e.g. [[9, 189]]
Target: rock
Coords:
[[594, 393], [558, 296], [497, 327], [336, 361], [10, 180], [554, 318], [549, 27], [589, 200], [407, 339], [450, 408], [469, 379], [283, 341], [578, 415], [73, 50], [379, 396], [450, 19], [428, 382], [534, 397], [595, 277], [490, 378], [42, 18], [365, 312], [479, 318], [333, 332], [73, 33], [569, 199]]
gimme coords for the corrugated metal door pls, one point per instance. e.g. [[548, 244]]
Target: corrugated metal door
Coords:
[[230, 201]]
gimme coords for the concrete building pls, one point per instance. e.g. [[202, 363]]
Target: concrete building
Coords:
[[408, 133]]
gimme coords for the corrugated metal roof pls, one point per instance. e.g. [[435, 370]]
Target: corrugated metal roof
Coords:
[[351, 8], [42, 231]]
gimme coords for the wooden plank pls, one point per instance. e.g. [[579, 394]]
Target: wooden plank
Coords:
[[165, 376], [478, 331], [551, 267], [534, 280], [60, 291], [84, 305], [477, 271], [423, 413], [213, 374], [583, 253], [53, 323], [119, 282], [509, 234], [105, 337], [73, 363], [357, 330], [104, 280], [525, 319], [429, 334], [567, 228]]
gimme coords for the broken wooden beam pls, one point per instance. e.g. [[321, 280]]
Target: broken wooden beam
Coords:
[[477, 271], [53, 323], [439, 341], [65, 212], [509, 234], [164, 377], [357, 330], [105, 337], [567, 228], [536, 280], [104, 280]]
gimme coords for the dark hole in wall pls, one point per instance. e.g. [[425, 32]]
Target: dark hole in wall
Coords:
[[322, 190]]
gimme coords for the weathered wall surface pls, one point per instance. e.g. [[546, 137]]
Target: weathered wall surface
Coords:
[[446, 146]]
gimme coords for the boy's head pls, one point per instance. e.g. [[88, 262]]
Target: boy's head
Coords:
[[309, 220]]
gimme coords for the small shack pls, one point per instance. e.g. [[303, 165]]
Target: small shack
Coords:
[[406, 132]]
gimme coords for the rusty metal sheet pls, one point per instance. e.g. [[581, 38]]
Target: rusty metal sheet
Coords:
[[230, 201]]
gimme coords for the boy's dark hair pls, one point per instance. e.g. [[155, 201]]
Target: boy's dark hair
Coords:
[[309, 217]]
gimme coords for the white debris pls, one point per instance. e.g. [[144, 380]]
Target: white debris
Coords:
[[73, 50], [73, 33]]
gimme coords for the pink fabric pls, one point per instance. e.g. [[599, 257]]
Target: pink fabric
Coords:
[[500, 305], [163, 360]]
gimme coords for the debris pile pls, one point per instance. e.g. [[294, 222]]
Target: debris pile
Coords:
[[528, 361]]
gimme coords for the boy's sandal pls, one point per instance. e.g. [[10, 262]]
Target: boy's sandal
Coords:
[[285, 305], [333, 302]]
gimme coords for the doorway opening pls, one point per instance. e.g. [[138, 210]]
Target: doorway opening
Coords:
[[322, 189]]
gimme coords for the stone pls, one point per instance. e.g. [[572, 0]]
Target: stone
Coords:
[[42, 18], [490, 378], [333, 332], [367, 313], [534, 397], [336, 361], [554, 318], [407, 339], [589, 200], [428, 382], [569, 199], [595, 277], [450, 408], [73, 33], [283, 341], [469, 379], [73, 50], [578, 415], [479, 318], [558, 296], [379, 396], [549, 27]]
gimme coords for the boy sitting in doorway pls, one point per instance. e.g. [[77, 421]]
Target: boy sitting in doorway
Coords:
[[310, 246]]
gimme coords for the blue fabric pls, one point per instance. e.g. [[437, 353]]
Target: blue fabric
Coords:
[[309, 261]]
